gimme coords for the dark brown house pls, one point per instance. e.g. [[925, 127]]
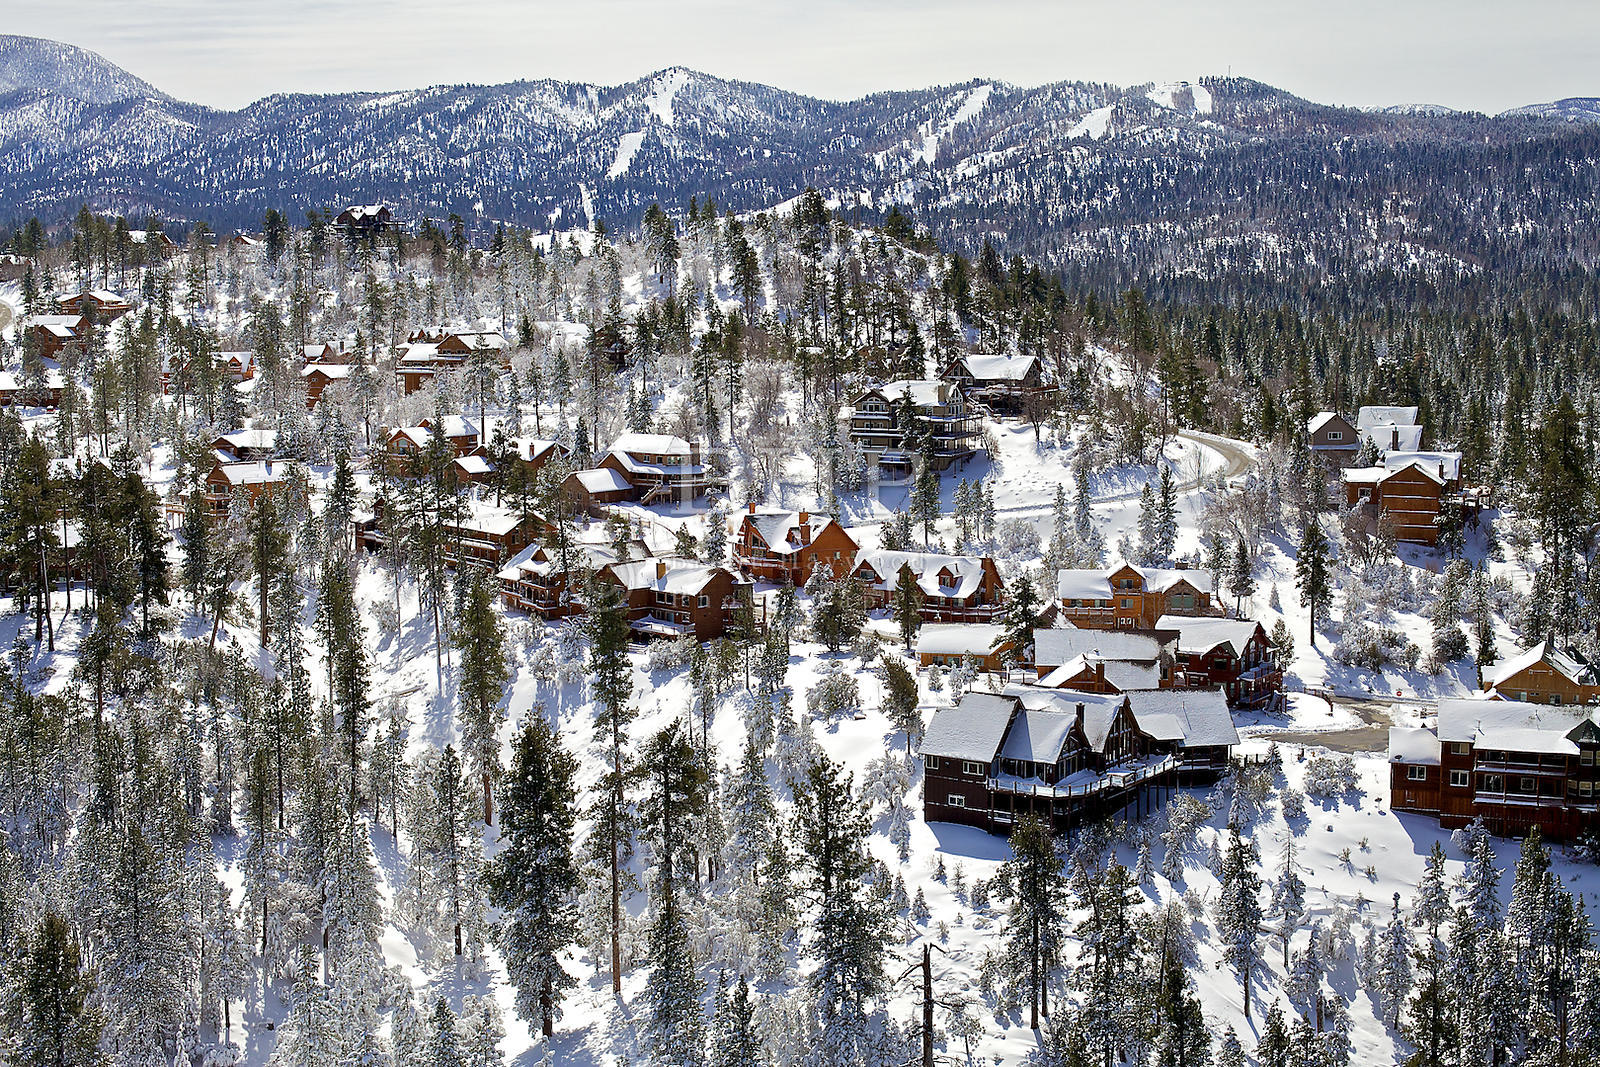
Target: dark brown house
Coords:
[[771, 545]]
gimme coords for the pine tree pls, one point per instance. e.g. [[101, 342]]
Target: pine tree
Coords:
[[1393, 966], [483, 677], [906, 604], [1312, 575], [736, 1042], [1288, 898], [1241, 580], [900, 700], [1021, 619], [1033, 929], [56, 1024], [611, 683], [1239, 911], [1182, 1039], [533, 878]]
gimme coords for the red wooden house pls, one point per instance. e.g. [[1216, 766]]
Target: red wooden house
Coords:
[[771, 544]]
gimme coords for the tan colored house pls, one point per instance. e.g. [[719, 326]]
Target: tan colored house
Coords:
[[1544, 674], [1131, 598]]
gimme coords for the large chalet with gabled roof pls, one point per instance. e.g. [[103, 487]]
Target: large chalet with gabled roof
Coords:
[[661, 468], [1069, 757], [1513, 764], [1130, 597], [671, 597], [1002, 383], [1231, 654], [954, 588], [772, 545], [880, 418], [1543, 674]]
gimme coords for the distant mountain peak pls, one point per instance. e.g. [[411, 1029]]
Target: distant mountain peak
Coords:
[[67, 70], [1572, 109]]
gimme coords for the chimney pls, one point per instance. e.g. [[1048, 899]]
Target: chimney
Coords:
[[805, 516], [661, 569], [1080, 717], [752, 507], [1394, 437], [1181, 564], [1100, 670]]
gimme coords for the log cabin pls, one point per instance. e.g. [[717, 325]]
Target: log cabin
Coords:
[[772, 545], [954, 588], [1131, 598], [1068, 757], [670, 597], [1515, 765], [102, 305]]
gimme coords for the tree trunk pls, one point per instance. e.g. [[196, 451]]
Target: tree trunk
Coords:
[[488, 801]]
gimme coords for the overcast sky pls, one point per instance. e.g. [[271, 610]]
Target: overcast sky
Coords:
[[1479, 54]]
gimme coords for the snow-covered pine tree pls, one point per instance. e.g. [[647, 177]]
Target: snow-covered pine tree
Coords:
[[482, 674], [1239, 911], [1392, 975], [533, 878], [1038, 910], [1288, 898]]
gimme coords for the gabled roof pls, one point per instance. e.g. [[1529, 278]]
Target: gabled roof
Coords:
[[1322, 418], [1039, 735], [1099, 709], [1195, 718], [1512, 725], [1198, 634], [1402, 437], [1079, 583], [488, 519], [1122, 673], [1378, 415], [601, 480], [1055, 646], [253, 472], [257, 439], [958, 639], [998, 368], [651, 444], [531, 448], [665, 574], [1441, 464], [1161, 579], [328, 370], [474, 465], [925, 568], [972, 730], [775, 528], [1569, 668]]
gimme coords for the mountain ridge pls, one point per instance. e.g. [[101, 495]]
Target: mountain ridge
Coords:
[[1211, 180]]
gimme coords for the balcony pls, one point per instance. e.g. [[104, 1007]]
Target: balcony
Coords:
[[1083, 783]]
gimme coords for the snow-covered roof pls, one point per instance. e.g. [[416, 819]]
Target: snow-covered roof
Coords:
[[486, 339], [972, 730], [923, 392], [1202, 633], [1099, 709], [1393, 436], [999, 368], [1052, 647], [1195, 718], [1122, 673], [1161, 579], [602, 480], [1413, 744], [1511, 725], [459, 426], [1078, 583], [531, 448], [1380, 415], [958, 639], [665, 574], [253, 472], [1038, 735], [475, 464], [650, 444], [251, 439], [488, 519], [925, 567], [776, 527], [328, 370], [1570, 668], [1364, 475], [11, 382], [1321, 419], [1446, 464]]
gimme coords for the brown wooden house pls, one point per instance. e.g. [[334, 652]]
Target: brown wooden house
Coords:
[[1515, 765], [1230, 654], [669, 597], [318, 376], [661, 468], [954, 588], [1544, 674], [102, 305], [770, 545], [1410, 488], [940, 409], [1131, 598], [594, 489], [1067, 757]]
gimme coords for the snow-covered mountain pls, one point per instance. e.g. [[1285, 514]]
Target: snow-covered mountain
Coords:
[[1570, 109], [66, 70], [1184, 180]]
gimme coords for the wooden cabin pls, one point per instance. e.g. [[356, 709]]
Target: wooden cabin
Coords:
[[954, 588], [1131, 598], [772, 545]]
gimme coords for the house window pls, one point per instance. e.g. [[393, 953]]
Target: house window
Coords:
[[1555, 698], [1493, 783], [704, 601], [1335, 435], [1417, 774], [1586, 789], [1458, 779], [968, 767], [1460, 748], [1586, 757], [932, 762], [1527, 785], [956, 800]]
